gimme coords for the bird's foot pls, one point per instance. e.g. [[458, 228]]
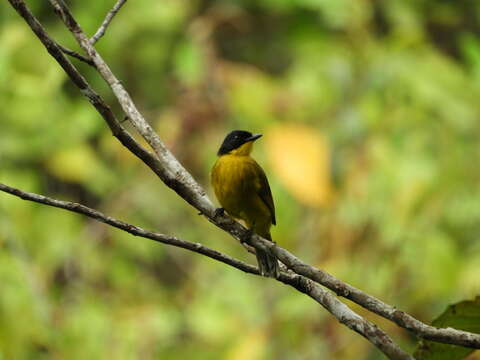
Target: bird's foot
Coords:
[[219, 212], [245, 239]]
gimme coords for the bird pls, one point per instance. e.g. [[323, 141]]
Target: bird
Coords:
[[242, 189]]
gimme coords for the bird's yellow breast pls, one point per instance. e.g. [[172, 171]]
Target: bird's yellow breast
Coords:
[[235, 180], [232, 180]]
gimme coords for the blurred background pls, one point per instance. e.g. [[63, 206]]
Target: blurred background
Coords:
[[370, 116]]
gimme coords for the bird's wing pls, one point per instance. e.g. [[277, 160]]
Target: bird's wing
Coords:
[[264, 192]]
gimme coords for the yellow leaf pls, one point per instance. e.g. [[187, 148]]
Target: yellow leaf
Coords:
[[300, 157]]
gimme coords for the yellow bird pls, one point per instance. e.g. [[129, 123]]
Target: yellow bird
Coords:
[[242, 189]]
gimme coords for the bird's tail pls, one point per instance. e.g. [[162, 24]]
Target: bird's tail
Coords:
[[267, 263]]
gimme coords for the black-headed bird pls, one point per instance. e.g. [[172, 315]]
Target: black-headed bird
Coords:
[[242, 189]]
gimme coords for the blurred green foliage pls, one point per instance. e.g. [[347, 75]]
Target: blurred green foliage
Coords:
[[371, 107]]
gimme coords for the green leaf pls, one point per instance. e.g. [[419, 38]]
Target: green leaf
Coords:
[[464, 315]]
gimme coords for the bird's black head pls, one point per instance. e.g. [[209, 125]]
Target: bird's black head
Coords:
[[235, 139]]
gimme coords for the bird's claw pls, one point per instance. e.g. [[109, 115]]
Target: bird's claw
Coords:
[[245, 239], [219, 212]]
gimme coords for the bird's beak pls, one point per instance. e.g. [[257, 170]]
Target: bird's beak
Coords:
[[253, 137]]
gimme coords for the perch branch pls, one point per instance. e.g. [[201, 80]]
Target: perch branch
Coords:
[[132, 229], [371, 303]]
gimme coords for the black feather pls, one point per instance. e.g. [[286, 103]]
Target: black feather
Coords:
[[234, 140]]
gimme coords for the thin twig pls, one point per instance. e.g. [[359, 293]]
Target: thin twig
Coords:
[[76, 55], [108, 19], [338, 309], [132, 229]]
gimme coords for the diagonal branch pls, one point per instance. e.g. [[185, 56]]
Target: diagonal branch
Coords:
[[325, 298], [93, 97], [175, 175], [108, 19], [369, 302], [348, 317]]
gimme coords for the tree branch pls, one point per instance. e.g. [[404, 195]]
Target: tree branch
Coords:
[[76, 55], [369, 302], [132, 229], [108, 19], [348, 317], [338, 309]]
